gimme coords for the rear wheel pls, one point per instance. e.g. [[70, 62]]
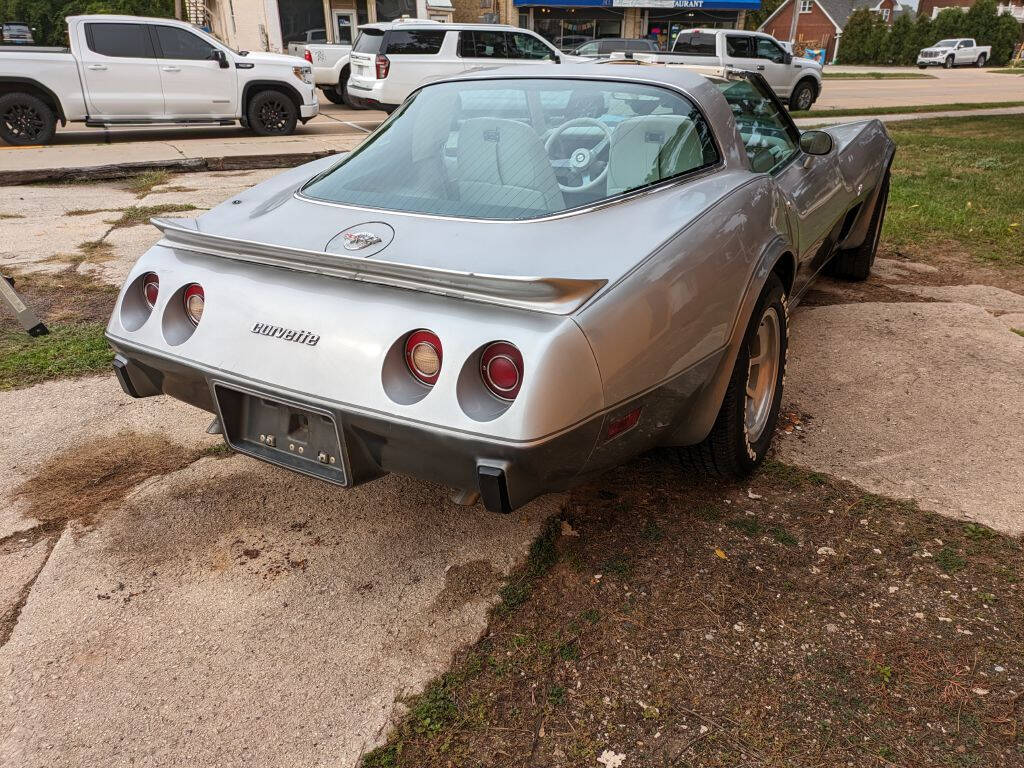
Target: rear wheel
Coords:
[[855, 263], [332, 94], [26, 120], [802, 97], [981, 61], [743, 430], [272, 113]]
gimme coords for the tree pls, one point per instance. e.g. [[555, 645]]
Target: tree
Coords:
[[47, 16], [755, 19], [899, 48], [861, 38]]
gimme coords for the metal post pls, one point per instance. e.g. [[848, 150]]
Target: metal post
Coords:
[[178, 13], [25, 316]]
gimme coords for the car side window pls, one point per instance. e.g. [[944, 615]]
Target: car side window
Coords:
[[589, 49], [523, 46], [414, 42], [769, 138], [178, 43], [738, 46], [695, 44], [482, 45], [769, 49], [125, 41]]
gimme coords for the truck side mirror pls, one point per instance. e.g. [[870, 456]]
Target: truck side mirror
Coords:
[[787, 58], [816, 142], [220, 57], [555, 57]]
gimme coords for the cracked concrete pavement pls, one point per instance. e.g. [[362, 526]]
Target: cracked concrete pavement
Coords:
[[231, 613]]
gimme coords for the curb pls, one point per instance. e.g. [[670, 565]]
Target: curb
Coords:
[[183, 165]]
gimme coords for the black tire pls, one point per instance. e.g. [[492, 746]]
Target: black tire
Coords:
[[272, 113], [26, 120], [802, 97], [981, 61], [729, 450], [332, 94], [855, 263], [922, 66], [948, 63]]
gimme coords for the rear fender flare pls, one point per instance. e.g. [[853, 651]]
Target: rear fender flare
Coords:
[[10, 85], [778, 253], [859, 230]]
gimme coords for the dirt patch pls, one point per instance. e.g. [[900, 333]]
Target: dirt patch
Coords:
[[826, 291], [956, 266], [792, 620], [84, 481], [63, 297], [464, 583]]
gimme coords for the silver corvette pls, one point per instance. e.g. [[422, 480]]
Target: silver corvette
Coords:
[[520, 279]]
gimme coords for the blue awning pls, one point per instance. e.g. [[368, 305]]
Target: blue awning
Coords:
[[702, 5]]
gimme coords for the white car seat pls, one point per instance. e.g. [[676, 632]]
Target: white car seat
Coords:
[[647, 148], [503, 163]]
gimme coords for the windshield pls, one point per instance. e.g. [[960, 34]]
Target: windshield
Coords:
[[520, 149], [946, 43]]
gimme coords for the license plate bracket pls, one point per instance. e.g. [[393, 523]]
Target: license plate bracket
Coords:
[[291, 435]]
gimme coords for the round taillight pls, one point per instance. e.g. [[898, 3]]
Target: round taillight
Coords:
[[150, 288], [501, 366], [195, 301], [423, 356]]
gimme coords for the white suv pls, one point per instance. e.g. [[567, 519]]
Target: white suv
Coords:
[[389, 61]]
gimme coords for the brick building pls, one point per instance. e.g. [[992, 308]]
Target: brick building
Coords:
[[820, 22]]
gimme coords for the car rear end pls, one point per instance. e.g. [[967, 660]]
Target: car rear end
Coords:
[[389, 61], [369, 68]]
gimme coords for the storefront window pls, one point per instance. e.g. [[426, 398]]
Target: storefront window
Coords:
[[301, 20], [389, 10], [568, 28], [665, 25]]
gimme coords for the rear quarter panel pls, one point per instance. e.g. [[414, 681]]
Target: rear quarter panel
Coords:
[[56, 72]]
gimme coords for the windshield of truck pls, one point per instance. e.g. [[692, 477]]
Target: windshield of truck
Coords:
[[946, 43], [520, 148]]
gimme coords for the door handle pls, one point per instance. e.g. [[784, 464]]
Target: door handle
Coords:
[[760, 66], [97, 67], [171, 69]]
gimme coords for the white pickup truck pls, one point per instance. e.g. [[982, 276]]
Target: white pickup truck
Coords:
[[954, 52], [795, 81], [330, 69], [128, 70]]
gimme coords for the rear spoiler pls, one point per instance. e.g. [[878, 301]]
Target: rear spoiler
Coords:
[[553, 295]]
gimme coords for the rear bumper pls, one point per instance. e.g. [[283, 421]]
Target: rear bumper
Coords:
[[370, 98], [507, 475]]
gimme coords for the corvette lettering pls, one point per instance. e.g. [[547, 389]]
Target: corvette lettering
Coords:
[[286, 334]]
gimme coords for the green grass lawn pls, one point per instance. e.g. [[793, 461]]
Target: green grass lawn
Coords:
[[959, 180], [877, 76], [908, 109], [69, 350]]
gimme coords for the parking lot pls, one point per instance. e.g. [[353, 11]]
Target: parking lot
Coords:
[[165, 603]]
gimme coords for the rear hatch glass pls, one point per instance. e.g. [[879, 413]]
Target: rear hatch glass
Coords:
[[369, 41]]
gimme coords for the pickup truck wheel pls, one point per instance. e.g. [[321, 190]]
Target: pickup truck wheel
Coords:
[[855, 263], [332, 94], [745, 424], [271, 113], [922, 66], [980, 62], [26, 120], [802, 97], [948, 63]]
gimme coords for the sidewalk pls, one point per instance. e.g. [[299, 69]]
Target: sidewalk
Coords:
[[79, 152], [822, 120]]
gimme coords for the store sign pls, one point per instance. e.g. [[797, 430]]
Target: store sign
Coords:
[[706, 5]]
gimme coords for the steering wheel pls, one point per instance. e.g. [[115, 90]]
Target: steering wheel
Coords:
[[580, 160]]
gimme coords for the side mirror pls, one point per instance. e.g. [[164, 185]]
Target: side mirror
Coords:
[[555, 57], [220, 57], [816, 142], [787, 58]]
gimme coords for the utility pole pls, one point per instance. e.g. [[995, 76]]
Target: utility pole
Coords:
[[177, 9], [795, 10]]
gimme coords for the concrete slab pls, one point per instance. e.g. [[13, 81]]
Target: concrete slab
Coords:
[[915, 401], [987, 297], [19, 564], [235, 614]]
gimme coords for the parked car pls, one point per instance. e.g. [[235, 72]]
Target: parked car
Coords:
[[127, 70], [954, 52], [526, 276], [309, 37], [567, 42], [330, 65], [795, 80], [16, 33], [389, 61], [599, 49]]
